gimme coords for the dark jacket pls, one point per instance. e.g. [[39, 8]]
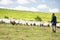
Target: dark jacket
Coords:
[[53, 21]]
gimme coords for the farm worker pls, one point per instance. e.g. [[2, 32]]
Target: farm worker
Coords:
[[53, 21]]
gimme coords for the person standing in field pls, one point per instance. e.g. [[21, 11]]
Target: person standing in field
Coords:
[[53, 21]]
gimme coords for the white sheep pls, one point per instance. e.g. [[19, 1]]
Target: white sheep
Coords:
[[7, 21], [23, 22], [1, 21], [17, 21], [46, 24], [58, 24], [29, 23], [37, 23]]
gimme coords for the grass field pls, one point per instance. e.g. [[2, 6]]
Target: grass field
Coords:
[[18, 32], [45, 16]]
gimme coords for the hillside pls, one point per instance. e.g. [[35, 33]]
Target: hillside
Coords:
[[26, 15]]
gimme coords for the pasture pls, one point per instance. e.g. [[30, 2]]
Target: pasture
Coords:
[[26, 15], [18, 32], [24, 32]]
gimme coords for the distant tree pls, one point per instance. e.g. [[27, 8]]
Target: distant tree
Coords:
[[6, 17], [38, 18]]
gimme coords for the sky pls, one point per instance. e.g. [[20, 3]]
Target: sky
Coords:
[[32, 5]]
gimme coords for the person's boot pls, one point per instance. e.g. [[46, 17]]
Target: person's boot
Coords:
[[54, 31]]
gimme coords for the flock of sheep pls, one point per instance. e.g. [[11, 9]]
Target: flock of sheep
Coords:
[[26, 22]]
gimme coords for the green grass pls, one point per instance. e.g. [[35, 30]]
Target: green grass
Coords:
[[26, 15], [18, 32]]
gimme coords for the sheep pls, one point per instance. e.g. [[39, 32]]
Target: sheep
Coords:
[[17, 21], [1, 21], [34, 23], [22, 22], [12, 21], [46, 24], [29, 23], [58, 24], [7, 21], [26, 22], [37, 23]]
